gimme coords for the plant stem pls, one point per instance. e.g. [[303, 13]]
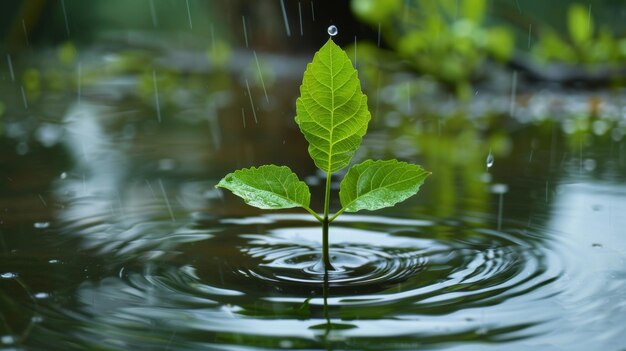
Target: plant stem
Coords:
[[325, 222]]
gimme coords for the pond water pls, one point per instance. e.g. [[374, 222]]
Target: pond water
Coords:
[[113, 237]]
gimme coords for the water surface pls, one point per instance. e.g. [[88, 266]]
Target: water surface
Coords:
[[113, 237]]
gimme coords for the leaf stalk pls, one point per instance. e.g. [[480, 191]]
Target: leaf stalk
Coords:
[[309, 210]]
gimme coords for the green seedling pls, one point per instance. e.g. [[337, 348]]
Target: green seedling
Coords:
[[332, 114]]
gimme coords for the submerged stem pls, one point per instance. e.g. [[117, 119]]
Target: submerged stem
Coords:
[[325, 222], [325, 295], [326, 315]]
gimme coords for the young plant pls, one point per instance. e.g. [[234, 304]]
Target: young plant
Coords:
[[332, 114]]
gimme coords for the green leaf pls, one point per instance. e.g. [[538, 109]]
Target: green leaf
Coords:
[[474, 10], [376, 11], [579, 23], [332, 110], [268, 187], [372, 185]]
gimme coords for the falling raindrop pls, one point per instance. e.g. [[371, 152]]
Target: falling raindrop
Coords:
[[67, 25], [63, 175], [251, 102], [155, 21], [189, 15], [408, 90], [11, 68], [282, 7], [300, 15], [25, 32], [42, 200], [156, 95], [332, 30], [256, 59], [245, 32], [490, 160], [41, 225], [212, 40], [167, 201], [513, 94], [78, 89], [24, 99], [355, 51]]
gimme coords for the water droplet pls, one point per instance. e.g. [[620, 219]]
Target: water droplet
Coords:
[[41, 295], [312, 180], [7, 339], [489, 160], [332, 30], [49, 135], [589, 164], [485, 177], [286, 344], [499, 188], [167, 164], [53, 261], [482, 331], [41, 225], [21, 148], [616, 134], [63, 175], [37, 319], [8, 275]]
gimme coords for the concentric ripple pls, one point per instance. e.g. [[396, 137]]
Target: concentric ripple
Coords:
[[258, 278], [434, 267], [354, 264]]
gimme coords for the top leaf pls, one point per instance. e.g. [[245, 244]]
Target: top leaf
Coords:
[[332, 110]]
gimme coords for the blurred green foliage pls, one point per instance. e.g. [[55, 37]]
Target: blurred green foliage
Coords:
[[584, 44], [67, 53], [451, 40], [446, 39]]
